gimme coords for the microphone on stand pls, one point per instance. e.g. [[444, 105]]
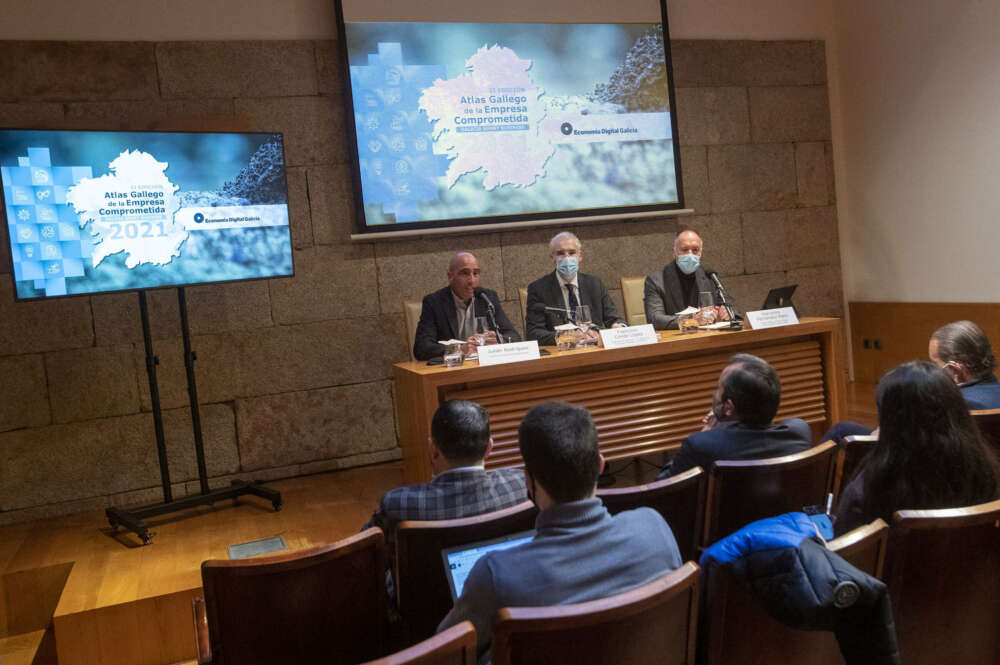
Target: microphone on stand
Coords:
[[491, 313], [724, 296]]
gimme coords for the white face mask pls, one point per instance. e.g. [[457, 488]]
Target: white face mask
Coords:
[[688, 263]]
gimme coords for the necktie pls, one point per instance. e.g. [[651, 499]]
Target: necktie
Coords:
[[573, 302]]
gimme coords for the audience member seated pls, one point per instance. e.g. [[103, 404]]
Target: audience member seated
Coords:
[[930, 453], [963, 351], [450, 313], [740, 425], [579, 552], [459, 444], [566, 289]]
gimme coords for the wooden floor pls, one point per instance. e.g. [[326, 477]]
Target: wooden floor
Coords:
[[112, 601]]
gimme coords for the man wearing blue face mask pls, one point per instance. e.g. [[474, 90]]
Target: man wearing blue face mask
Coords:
[[565, 289], [677, 286]]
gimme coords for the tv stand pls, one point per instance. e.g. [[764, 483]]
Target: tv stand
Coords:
[[132, 518]]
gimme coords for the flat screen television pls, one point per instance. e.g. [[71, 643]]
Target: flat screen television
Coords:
[[459, 124], [93, 212]]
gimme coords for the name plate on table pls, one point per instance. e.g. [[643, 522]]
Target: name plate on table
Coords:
[[772, 318], [619, 338], [499, 354]]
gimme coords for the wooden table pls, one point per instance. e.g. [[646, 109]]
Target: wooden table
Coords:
[[643, 399]]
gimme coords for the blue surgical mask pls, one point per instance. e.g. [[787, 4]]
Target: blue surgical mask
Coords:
[[688, 263], [567, 267]]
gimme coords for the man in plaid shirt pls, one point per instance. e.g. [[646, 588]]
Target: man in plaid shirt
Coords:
[[461, 487]]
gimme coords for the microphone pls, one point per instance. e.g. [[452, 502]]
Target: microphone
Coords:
[[490, 311], [714, 276]]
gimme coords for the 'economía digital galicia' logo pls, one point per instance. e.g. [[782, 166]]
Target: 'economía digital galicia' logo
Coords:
[[199, 218], [566, 128]]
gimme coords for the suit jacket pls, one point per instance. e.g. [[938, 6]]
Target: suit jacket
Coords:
[[438, 318], [540, 324], [579, 553], [983, 394], [733, 440], [664, 297]]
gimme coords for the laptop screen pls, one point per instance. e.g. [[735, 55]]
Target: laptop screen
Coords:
[[458, 561]]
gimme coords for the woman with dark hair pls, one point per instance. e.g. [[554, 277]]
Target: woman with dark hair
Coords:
[[929, 454]]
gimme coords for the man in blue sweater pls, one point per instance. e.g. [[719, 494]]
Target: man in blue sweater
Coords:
[[579, 552]]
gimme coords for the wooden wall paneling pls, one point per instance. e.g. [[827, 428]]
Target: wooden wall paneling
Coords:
[[904, 329]]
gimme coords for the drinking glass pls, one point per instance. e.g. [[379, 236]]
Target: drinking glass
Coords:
[[453, 355], [706, 307], [582, 318], [482, 327]]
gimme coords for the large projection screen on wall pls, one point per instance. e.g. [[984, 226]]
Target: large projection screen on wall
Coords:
[[478, 122], [95, 211]]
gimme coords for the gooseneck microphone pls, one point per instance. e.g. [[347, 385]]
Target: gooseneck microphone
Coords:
[[724, 297], [491, 312]]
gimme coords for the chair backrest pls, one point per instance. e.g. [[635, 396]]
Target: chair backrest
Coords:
[[633, 294], [680, 499], [989, 424], [737, 629], [654, 623], [422, 591], [740, 492], [322, 605], [412, 311], [853, 450], [454, 646], [522, 295], [943, 572]]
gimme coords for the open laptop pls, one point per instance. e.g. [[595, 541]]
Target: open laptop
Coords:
[[780, 297], [458, 561]]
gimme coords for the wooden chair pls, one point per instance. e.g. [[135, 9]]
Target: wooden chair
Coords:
[[655, 623], [737, 629], [522, 295], [455, 646], [943, 572], [633, 295], [989, 424], [422, 592], [853, 451], [322, 605], [412, 311], [740, 492], [680, 499]]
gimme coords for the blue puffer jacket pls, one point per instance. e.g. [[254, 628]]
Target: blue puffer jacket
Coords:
[[802, 584]]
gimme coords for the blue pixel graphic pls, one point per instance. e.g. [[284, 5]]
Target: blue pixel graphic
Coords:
[[395, 151], [45, 237]]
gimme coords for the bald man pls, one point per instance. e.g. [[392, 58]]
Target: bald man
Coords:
[[677, 286], [450, 313]]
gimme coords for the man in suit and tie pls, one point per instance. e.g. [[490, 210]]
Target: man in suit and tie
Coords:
[[677, 286], [450, 313], [565, 289], [740, 425]]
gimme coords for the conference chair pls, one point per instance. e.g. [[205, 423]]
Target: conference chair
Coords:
[[322, 605], [943, 572], [522, 295], [853, 450], [633, 295], [989, 424], [422, 593], [743, 491], [412, 311], [737, 629], [454, 646], [680, 499], [654, 623]]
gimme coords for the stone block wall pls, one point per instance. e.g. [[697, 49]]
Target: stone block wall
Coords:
[[294, 375]]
